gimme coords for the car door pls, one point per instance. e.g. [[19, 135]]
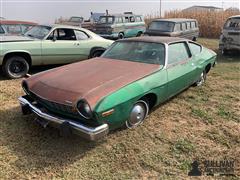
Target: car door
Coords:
[[178, 67], [60, 47]]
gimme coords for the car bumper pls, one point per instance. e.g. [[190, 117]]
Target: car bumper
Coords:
[[90, 133]]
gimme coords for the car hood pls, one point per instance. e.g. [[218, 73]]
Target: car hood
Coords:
[[90, 80], [11, 38]]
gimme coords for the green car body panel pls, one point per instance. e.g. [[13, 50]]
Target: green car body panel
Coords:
[[44, 51], [111, 87]]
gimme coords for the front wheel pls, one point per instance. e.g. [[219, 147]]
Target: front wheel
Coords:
[[138, 114], [15, 67], [120, 36], [201, 79]]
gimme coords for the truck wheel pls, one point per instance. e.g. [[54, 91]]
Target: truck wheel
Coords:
[[120, 36], [194, 39], [15, 67]]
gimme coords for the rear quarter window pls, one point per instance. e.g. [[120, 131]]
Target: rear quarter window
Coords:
[[195, 48], [178, 52]]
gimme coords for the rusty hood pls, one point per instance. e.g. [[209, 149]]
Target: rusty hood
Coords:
[[92, 80]]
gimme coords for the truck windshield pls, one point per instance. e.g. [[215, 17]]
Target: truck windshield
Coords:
[[106, 20], [143, 52], [233, 23], [38, 32], [161, 26]]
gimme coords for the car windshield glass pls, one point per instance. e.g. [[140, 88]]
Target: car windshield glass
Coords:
[[38, 32], [162, 26], [233, 23], [144, 52], [106, 19]]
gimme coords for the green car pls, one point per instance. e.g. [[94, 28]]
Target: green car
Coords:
[[44, 45], [119, 88]]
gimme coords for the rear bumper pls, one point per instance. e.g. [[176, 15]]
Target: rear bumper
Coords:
[[90, 133]]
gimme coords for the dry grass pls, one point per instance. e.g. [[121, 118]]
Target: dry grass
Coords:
[[200, 123], [210, 23]]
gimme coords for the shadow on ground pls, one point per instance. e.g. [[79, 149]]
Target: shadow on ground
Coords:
[[36, 147]]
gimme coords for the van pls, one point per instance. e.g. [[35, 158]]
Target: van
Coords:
[[119, 26], [177, 27], [230, 37]]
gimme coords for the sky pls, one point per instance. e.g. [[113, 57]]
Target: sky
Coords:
[[46, 11]]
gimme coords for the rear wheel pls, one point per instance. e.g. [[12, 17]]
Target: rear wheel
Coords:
[[139, 34], [15, 67], [194, 39], [120, 36], [201, 79], [96, 53], [138, 114]]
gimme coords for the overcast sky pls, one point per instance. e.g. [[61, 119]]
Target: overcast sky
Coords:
[[46, 11]]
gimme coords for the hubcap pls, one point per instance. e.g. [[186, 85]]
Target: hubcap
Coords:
[[138, 114], [16, 67], [201, 79]]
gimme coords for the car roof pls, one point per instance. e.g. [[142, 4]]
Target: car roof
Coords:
[[61, 26], [16, 22], [155, 39], [175, 20]]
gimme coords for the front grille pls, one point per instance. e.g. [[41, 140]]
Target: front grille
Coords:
[[53, 106]]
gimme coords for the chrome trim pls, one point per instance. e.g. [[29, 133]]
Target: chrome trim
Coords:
[[90, 133]]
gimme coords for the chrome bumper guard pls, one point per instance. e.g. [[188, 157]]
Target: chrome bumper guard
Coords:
[[90, 133]]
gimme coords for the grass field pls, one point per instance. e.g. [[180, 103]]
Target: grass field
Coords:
[[200, 123]]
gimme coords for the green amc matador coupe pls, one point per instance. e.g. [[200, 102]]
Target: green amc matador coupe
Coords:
[[117, 89], [43, 44]]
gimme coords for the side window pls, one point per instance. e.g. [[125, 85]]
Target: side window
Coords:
[[195, 48], [178, 52], [184, 26], [193, 24], [1, 30], [118, 20], [188, 25], [132, 19], [177, 27], [80, 35], [138, 19], [63, 34], [13, 28]]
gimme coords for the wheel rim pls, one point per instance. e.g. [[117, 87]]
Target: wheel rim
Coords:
[[120, 36], [201, 79], [17, 67], [138, 114]]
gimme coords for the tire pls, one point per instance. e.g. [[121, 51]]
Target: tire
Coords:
[[139, 34], [138, 114], [202, 79], [96, 53], [120, 36], [194, 39], [15, 67], [225, 52]]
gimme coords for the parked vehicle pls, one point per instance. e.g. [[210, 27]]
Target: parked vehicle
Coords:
[[230, 38], [42, 45], [119, 26], [184, 28], [11, 27], [74, 21], [117, 89]]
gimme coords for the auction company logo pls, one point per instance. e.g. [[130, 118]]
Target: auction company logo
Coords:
[[223, 167]]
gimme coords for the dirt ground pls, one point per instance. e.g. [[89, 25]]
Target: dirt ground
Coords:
[[201, 123]]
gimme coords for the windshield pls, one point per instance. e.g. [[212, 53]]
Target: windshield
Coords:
[[106, 20], [38, 32], [233, 23], [162, 26], [144, 52]]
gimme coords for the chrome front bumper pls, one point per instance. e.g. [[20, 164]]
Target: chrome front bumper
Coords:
[[90, 133]]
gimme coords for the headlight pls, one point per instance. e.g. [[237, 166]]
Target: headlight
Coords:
[[25, 87], [84, 109]]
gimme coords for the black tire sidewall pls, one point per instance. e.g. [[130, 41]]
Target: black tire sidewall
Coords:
[[9, 61], [96, 53], [120, 35]]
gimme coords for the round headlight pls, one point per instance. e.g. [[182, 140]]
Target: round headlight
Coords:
[[84, 109], [25, 87]]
